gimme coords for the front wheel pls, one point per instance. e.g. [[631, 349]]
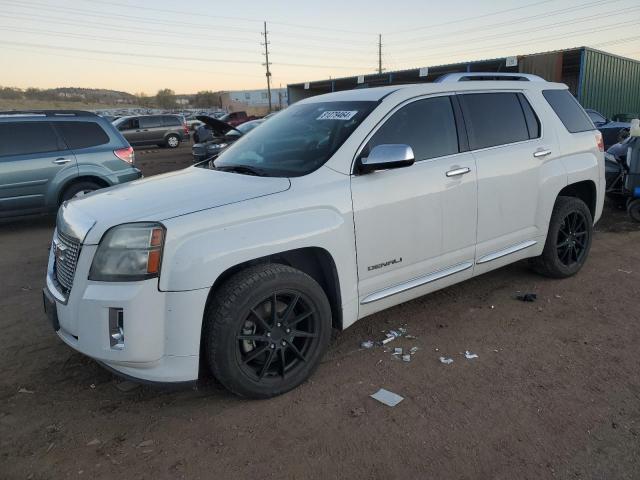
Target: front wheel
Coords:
[[266, 330], [568, 239]]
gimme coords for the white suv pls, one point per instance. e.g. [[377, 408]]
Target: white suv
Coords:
[[340, 206]]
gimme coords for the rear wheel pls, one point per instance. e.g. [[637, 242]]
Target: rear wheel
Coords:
[[266, 330], [633, 209], [172, 141], [568, 240], [79, 189]]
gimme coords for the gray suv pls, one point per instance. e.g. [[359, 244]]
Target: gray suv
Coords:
[[47, 157], [164, 130]]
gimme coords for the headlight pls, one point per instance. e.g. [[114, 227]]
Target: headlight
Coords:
[[129, 252]]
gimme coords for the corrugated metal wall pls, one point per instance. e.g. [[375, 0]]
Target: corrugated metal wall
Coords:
[[610, 84]]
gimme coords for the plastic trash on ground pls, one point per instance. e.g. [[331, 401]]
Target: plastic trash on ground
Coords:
[[367, 344], [388, 398], [446, 360], [469, 356]]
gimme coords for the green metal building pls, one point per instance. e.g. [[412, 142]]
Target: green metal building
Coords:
[[605, 82]]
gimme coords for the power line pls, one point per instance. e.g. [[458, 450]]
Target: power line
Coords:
[[522, 32], [217, 17], [167, 57], [525, 19], [554, 37], [474, 17]]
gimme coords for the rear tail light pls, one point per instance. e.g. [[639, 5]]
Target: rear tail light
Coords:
[[126, 155], [599, 141], [186, 128]]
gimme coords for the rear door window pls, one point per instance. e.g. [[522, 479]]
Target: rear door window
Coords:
[[572, 115], [428, 126], [129, 124], [78, 135], [20, 138], [150, 122], [494, 119]]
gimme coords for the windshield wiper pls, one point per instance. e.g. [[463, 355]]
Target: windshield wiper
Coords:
[[243, 169]]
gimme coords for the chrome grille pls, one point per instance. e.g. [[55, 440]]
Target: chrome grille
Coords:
[[66, 252]]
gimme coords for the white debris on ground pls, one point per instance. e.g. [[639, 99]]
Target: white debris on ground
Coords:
[[388, 398], [446, 360], [469, 356]]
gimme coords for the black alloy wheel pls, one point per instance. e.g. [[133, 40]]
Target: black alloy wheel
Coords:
[[277, 336], [568, 239], [266, 329], [571, 243]]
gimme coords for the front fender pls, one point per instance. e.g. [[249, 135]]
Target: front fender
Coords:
[[201, 246]]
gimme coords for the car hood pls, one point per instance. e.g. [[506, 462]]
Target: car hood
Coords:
[[217, 126], [161, 197]]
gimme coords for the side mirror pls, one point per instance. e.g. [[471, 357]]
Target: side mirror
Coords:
[[385, 157]]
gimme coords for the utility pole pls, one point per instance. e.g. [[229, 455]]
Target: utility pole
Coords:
[[267, 64], [380, 53]]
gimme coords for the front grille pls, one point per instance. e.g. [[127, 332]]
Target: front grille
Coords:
[[66, 251]]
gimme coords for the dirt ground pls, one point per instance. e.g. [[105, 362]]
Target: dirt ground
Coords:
[[554, 393]]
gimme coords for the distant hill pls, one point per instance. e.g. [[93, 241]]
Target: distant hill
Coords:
[[93, 96]]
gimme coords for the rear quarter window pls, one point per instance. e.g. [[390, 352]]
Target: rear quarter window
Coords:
[[172, 121], [78, 135], [568, 110], [21, 138]]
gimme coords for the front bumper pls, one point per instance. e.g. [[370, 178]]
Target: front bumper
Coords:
[[161, 329]]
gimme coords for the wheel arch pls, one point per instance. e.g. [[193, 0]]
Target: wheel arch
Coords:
[[316, 262], [82, 178], [586, 191]]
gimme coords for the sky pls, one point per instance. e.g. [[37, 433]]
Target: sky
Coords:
[[143, 45]]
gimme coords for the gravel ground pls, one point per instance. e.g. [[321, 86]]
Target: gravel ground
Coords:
[[554, 392]]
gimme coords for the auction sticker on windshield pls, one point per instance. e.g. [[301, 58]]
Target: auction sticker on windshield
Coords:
[[337, 115]]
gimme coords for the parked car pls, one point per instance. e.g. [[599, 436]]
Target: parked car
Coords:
[[611, 131], [163, 130], [340, 206], [236, 118], [48, 157], [219, 135]]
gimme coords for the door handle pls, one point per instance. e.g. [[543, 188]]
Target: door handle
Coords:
[[458, 171], [61, 161], [541, 153]]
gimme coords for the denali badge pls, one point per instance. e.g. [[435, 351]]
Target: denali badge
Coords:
[[384, 264]]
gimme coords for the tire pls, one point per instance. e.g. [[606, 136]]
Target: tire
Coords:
[[633, 209], [567, 246], [79, 189], [172, 141], [242, 308]]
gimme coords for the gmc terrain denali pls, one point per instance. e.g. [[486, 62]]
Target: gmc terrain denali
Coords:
[[339, 207]]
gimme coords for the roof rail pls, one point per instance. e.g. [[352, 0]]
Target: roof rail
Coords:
[[49, 113], [474, 76]]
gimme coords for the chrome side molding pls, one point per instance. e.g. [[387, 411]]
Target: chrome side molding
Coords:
[[507, 251], [416, 282]]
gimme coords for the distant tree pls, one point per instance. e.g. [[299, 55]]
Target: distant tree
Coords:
[[166, 98], [143, 99], [10, 93], [206, 99]]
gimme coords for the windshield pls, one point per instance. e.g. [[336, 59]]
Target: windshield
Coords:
[[297, 141]]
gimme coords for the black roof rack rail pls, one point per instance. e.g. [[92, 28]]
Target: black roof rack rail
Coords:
[[50, 113]]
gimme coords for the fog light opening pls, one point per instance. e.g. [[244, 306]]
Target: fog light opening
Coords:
[[116, 328]]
